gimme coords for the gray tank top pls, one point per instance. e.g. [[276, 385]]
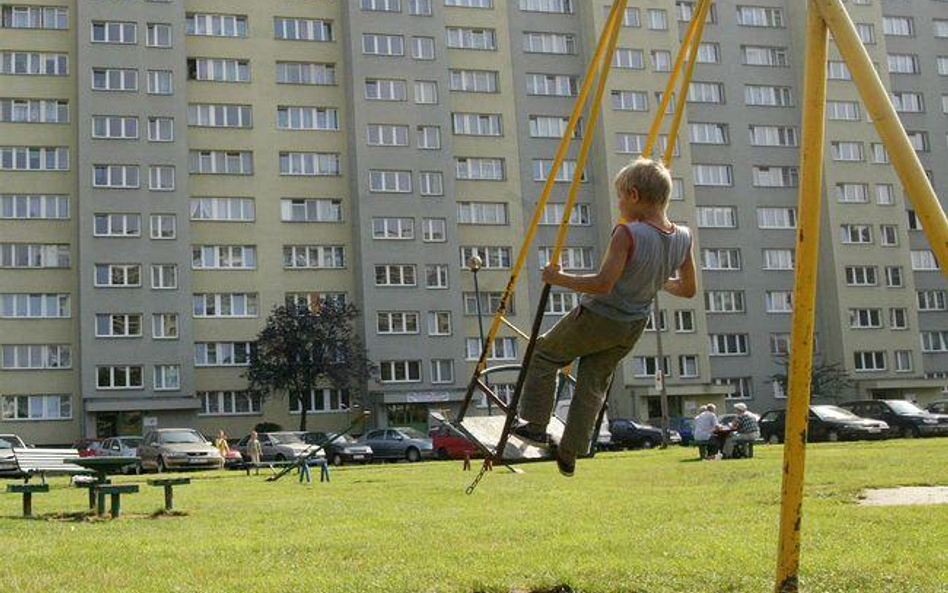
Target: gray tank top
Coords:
[[654, 257]]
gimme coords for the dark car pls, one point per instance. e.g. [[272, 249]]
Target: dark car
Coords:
[[343, 449], [630, 434], [903, 417], [399, 443], [450, 444], [826, 423], [938, 407], [685, 427]]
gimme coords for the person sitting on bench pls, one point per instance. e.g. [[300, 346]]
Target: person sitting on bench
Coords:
[[746, 431], [705, 423]]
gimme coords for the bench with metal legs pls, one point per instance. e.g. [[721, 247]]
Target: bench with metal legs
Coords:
[[27, 490], [115, 492], [168, 485]]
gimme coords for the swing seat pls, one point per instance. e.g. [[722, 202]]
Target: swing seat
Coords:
[[485, 431]]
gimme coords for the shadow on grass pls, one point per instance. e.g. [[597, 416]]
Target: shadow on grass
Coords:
[[166, 514]]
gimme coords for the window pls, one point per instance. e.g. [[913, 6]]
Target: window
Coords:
[[688, 366], [907, 102], [231, 403], [220, 116], [903, 64], [442, 370], [217, 25], [480, 169], [724, 301], [381, 5], [385, 90], [433, 230], [34, 256], [492, 258], [34, 17], [426, 92], [223, 257], [760, 16], [395, 275], [117, 225], [160, 129], [625, 57], [553, 214], [838, 70], [387, 135], [759, 55], [220, 162], [161, 178], [436, 276], [552, 85], [571, 258], [430, 183], [400, 371], [501, 349], [163, 226], [226, 305], [709, 53], [159, 82], [560, 303], [429, 137], [18, 357], [35, 306], [684, 321], [712, 175], [721, 259], [36, 407], [309, 164], [856, 234], [490, 303], [310, 210], [898, 318], [24, 158], [869, 361], [565, 174], [34, 63], [549, 126], [34, 111], [470, 3], [222, 354], [473, 81], [893, 277], [549, 43], [778, 259], [900, 26], [932, 300], [866, 32], [855, 193], [773, 135], [116, 176], [484, 124], [34, 207], [396, 322], [768, 96], [302, 29], [924, 261], [934, 341], [223, 209], [476, 39], [164, 276], [219, 70], [423, 48], [778, 301], [114, 32], [630, 100], [861, 276], [158, 35], [167, 377], [888, 235], [780, 344], [647, 366], [314, 300], [301, 257], [321, 401], [903, 361], [717, 217], [704, 92], [306, 73], [729, 344], [119, 377], [842, 110], [164, 326], [847, 151], [115, 127], [552, 6], [740, 387], [439, 323], [374, 44], [777, 218], [707, 133], [397, 182], [118, 275]]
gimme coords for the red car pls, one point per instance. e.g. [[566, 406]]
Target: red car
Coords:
[[87, 447], [451, 444]]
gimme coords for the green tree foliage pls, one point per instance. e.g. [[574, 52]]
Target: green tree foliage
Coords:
[[828, 381], [302, 349]]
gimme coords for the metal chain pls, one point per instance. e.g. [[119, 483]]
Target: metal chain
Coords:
[[480, 475]]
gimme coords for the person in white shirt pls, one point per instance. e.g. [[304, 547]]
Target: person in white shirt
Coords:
[[705, 423]]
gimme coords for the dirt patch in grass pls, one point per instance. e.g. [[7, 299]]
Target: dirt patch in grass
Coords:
[[166, 514], [906, 495]]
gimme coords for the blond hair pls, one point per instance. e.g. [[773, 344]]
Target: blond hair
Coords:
[[650, 178]]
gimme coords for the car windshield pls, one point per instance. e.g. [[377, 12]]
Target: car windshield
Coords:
[[904, 407], [285, 438], [181, 437], [10, 442], [132, 442], [833, 413], [411, 433]]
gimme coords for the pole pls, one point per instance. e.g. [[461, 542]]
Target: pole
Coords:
[[804, 302], [474, 264], [660, 370]]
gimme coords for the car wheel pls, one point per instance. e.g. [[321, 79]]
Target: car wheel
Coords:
[[833, 436], [280, 458], [910, 432], [773, 439], [160, 466], [337, 459], [412, 455], [442, 454], [648, 444]]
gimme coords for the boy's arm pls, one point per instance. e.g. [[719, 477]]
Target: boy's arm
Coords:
[[685, 285], [609, 270]]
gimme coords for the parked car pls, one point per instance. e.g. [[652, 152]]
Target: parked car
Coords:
[[630, 434], [603, 439], [278, 446], [903, 417], [177, 448], [87, 447], [826, 423], [685, 427], [343, 449], [9, 442], [449, 443], [120, 447], [399, 443], [938, 407]]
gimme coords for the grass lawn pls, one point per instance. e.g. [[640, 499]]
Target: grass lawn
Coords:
[[643, 521]]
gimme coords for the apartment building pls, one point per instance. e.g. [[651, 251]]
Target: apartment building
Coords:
[[172, 170]]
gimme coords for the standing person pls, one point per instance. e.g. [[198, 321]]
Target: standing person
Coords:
[[705, 423], [255, 450], [305, 473], [641, 257], [221, 443], [324, 471], [746, 429]]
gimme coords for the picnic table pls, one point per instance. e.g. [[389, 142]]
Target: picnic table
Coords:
[[103, 467]]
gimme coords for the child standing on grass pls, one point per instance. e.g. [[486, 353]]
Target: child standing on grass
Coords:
[[642, 256]]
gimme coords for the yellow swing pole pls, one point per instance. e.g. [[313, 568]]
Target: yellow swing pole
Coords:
[[886, 120], [804, 301], [686, 82], [610, 30], [673, 75]]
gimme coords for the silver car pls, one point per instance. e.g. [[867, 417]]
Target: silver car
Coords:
[[120, 447], [399, 443], [178, 448], [8, 442], [278, 446]]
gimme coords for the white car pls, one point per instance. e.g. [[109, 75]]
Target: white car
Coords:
[[8, 442]]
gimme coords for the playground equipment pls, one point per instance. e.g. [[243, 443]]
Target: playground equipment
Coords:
[[823, 17]]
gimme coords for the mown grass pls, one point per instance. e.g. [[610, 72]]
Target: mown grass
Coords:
[[641, 521]]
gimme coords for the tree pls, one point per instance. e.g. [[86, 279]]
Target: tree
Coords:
[[828, 380], [301, 349]]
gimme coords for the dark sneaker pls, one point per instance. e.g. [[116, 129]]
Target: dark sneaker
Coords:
[[538, 438], [567, 468]]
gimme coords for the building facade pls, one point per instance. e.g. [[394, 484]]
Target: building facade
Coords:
[[171, 170]]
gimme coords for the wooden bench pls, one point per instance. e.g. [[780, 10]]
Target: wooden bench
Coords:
[[27, 490], [115, 492], [169, 485], [47, 461], [90, 486]]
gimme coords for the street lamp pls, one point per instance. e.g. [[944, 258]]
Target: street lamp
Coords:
[[474, 264]]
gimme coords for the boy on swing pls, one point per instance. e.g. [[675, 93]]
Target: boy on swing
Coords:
[[643, 254]]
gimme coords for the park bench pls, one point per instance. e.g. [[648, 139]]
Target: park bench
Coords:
[[27, 490], [168, 484], [46, 461], [115, 492], [90, 485]]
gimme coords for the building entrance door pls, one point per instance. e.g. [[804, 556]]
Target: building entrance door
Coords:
[[413, 415], [115, 424]]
